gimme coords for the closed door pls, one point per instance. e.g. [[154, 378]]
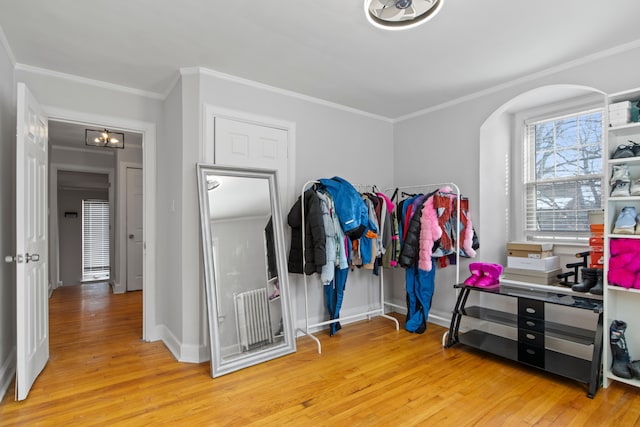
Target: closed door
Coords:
[[32, 310], [134, 229], [244, 144]]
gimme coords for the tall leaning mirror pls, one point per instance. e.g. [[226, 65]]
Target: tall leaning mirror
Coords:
[[245, 267]]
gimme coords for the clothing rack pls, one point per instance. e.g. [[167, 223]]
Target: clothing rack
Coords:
[[378, 311], [456, 193]]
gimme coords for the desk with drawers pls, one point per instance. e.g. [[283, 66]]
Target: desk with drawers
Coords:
[[533, 331]]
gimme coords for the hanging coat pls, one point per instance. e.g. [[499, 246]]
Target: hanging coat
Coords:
[[315, 239]]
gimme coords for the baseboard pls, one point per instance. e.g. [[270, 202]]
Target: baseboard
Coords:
[[117, 287], [7, 372], [183, 352]]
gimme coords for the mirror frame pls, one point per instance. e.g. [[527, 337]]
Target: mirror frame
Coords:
[[218, 365]]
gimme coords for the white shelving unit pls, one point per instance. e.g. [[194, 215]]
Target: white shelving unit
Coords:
[[620, 303]]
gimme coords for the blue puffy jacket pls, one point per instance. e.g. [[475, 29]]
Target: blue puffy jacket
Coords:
[[351, 209]]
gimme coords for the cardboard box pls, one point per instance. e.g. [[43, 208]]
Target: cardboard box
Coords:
[[531, 273], [533, 280], [527, 254], [542, 264], [529, 247], [596, 216], [596, 244], [597, 257]]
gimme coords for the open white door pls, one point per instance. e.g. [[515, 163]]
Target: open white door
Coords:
[[31, 257]]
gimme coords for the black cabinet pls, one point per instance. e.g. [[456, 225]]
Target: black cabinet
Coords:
[[530, 347]]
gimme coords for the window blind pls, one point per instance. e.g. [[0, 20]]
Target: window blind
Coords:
[[563, 175], [95, 239]]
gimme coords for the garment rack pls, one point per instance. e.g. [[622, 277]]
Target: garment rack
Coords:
[[378, 311], [456, 193]]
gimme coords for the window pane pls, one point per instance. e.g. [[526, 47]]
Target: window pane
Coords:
[[566, 133], [590, 126], [545, 165], [590, 160], [544, 136], [566, 163]]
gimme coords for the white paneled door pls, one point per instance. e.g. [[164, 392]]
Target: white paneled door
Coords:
[[238, 143], [31, 257], [134, 229]]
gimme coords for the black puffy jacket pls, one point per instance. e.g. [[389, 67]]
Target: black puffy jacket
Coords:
[[411, 245], [314, 239]]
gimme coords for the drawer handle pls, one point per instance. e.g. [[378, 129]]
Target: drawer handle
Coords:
[[530, 323], [530, 310], [531, 336], [531, 351]]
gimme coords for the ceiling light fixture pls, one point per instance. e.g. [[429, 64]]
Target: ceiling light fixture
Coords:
[[103, 138], [400, 14]]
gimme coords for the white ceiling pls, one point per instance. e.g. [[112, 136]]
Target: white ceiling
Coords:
[[324, 49]]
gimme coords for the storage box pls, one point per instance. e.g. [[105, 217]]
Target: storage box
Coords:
[[596, 244], [542, 264], [531, 273], [597, 230], [596, 216], [597, 258], [616, 106], [548, 278], [528, 254], [529, 247]]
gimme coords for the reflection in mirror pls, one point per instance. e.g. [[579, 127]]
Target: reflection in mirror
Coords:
[[245, 270]]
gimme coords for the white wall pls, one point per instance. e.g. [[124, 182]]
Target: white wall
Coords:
[[444, 144], [169, 254], [7, 219]]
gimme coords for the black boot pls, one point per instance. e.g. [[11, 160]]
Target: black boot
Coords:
[[619, 351], [598, 289], [589, 278]]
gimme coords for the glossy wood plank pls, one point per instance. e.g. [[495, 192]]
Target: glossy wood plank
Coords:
[[101, 373]]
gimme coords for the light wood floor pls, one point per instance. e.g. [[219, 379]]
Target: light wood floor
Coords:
[[101, 373]]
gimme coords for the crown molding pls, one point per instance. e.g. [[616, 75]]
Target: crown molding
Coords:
[[530, 77], [7, 47], [231, 78], [87, 81]]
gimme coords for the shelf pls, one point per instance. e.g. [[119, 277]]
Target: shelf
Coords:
[[627, 160], [557, 363], [625, 199], [621, 289], [556, 330], [626, 129], [622, 236], [632, 381]]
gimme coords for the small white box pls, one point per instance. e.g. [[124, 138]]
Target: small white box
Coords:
[[620, 115], [624, 105], [541, 264]]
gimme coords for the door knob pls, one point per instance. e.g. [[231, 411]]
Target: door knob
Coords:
[[32, 257], [131, 236]]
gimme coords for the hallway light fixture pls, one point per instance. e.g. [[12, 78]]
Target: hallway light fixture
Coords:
[[400, 14], [103, 138]]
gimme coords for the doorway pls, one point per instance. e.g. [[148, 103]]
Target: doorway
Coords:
[[69, 154]]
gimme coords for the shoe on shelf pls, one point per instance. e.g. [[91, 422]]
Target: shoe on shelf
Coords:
[[626, 222], [634, 189], [621, 189], [619, 173], [623, 151], [635, 147], [619, 350]]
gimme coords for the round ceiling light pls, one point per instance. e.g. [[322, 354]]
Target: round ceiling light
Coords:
[[400, 14]]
